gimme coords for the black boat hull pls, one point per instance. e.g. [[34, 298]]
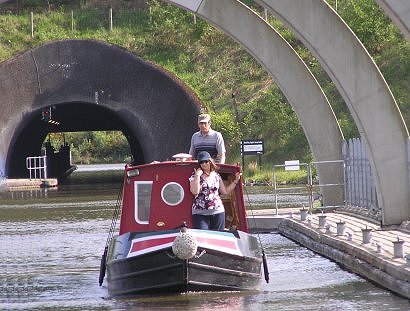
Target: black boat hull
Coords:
[[161, 271]]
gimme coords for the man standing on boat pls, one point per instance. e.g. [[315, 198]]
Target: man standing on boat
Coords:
[[206, 139]]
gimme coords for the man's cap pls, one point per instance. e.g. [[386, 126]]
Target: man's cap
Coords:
[[203, 156], [204, 117]]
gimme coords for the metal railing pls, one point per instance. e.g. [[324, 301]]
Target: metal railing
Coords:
[[360, 186], [310, 191], [358, 195], [301, 191], [37, 167], [337, 188]]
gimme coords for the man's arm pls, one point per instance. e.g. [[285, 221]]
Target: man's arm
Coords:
[[220, 146], [221, 157], [191, 148]]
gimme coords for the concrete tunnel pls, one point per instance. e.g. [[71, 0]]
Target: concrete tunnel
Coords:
[[91, 86]]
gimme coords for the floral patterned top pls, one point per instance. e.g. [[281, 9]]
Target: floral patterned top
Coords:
[[208, 201]]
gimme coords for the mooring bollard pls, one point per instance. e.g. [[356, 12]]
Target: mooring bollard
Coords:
[[407, 259], [340, 228], [328, 229], [378, 247], [367, 235], [322, 221], [398, 248], [309, 221], [303, 214]]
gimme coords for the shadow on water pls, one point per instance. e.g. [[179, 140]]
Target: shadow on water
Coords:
[[51, 243]]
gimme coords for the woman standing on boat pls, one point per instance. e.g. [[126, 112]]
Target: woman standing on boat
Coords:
[[206, 184]]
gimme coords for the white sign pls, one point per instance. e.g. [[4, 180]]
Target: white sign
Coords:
[[248, 148], [252, 146], [292, 165]]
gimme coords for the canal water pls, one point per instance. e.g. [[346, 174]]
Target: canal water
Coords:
[[51, 241]]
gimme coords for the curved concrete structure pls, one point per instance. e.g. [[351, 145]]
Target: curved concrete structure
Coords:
[[365, 92], [91, 85], [291, 74], [399, 13]]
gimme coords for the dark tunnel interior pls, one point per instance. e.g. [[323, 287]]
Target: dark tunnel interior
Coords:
[[71, 117]]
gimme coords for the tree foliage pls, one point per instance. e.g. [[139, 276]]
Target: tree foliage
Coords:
[[93, 147]]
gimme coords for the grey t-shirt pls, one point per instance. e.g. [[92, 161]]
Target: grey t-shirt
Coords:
[[212, 142]]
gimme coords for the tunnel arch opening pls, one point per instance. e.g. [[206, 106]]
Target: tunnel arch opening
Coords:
[[154, 109], [68, 117]]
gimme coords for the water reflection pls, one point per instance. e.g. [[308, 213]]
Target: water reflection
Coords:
[[50, 248]]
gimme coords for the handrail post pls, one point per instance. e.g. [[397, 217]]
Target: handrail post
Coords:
[[37, 166]]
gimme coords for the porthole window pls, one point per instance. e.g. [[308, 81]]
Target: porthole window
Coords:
[[172, 193]]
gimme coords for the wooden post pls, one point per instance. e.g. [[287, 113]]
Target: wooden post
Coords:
[[72, 20], [32, 24], [235, 107], [110, 19]]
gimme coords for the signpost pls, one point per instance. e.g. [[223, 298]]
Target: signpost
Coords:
[[252, 147], [292, 165]]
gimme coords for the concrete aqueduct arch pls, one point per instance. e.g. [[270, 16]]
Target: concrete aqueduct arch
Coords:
[[354, 73], [366, 93], [291, 74], [399, 12]]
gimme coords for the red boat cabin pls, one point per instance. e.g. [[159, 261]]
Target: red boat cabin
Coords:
[[156, 196]]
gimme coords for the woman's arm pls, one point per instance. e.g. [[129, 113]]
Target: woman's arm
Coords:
[[228, 189], [194, 185]]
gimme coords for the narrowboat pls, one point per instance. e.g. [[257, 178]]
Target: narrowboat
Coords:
[[156, 249]]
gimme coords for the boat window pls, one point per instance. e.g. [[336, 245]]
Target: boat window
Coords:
[[142, 190], [172, 193]]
